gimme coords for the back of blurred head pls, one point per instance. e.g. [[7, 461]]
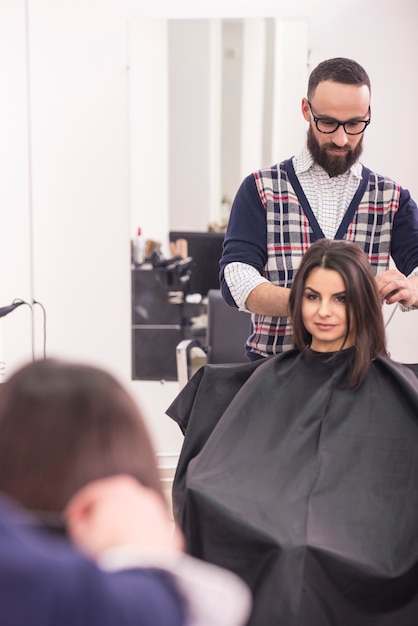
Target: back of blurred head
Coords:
[[63, 425]]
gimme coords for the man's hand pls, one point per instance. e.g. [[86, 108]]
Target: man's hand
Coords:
[[394, 287], [119, 511]]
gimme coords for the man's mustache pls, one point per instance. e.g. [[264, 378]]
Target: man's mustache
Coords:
[[332, 146]]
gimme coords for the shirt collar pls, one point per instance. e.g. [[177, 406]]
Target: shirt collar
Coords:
[[304, 162]]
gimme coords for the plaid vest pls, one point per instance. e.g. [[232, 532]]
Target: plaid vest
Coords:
[[292, 228]]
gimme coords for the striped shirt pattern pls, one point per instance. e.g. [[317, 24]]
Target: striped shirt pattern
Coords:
[[290, 232]]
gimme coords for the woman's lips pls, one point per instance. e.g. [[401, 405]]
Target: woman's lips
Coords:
[[325, 326]]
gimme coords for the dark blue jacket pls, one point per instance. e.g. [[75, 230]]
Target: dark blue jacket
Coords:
[[45, 582]]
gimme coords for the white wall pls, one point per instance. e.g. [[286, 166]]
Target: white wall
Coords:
[[148, 128], [191, 123], [77, 261]]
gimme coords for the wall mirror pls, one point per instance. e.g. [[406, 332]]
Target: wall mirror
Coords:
[[210, 100]]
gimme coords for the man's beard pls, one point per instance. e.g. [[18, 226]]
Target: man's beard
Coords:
[[333, 165]]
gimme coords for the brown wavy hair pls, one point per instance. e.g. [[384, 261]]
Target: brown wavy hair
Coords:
[[363, 303], [63, 425]]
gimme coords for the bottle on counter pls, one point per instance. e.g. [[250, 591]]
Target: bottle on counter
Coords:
[[139, 248]]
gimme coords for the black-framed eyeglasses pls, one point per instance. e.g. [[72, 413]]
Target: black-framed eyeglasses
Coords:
[[328, 125]]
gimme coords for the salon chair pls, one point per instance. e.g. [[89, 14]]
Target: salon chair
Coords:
[[227, 332]]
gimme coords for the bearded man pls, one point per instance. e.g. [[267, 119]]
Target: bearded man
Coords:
[[324, 192]]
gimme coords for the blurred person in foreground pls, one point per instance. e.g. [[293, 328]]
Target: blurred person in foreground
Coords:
[[85, 533]]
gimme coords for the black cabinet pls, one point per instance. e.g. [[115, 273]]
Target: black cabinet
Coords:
[[154, 352], [205, 250], [160, 318]]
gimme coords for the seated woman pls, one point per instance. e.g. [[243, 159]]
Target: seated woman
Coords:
[[300, 472]]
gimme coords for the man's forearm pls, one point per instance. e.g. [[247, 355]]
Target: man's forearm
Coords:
[[268, 299]]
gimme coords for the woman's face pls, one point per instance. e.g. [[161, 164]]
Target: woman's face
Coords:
[[323, 311]]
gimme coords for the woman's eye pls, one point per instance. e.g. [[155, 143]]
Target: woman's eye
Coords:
[[341, 299], [311, 296]]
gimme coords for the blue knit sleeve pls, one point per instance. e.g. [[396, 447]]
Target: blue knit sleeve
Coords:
[[246, 236], [404, 242]]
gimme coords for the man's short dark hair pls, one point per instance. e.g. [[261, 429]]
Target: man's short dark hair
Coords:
[[338, 70]]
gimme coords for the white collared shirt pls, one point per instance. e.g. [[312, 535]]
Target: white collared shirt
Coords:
[[329, 198], [213, 596]]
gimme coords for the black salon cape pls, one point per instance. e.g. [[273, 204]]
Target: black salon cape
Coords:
[[307, 491]]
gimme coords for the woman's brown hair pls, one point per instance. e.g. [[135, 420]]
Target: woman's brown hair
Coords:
[[363, 303], [63, 425]]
